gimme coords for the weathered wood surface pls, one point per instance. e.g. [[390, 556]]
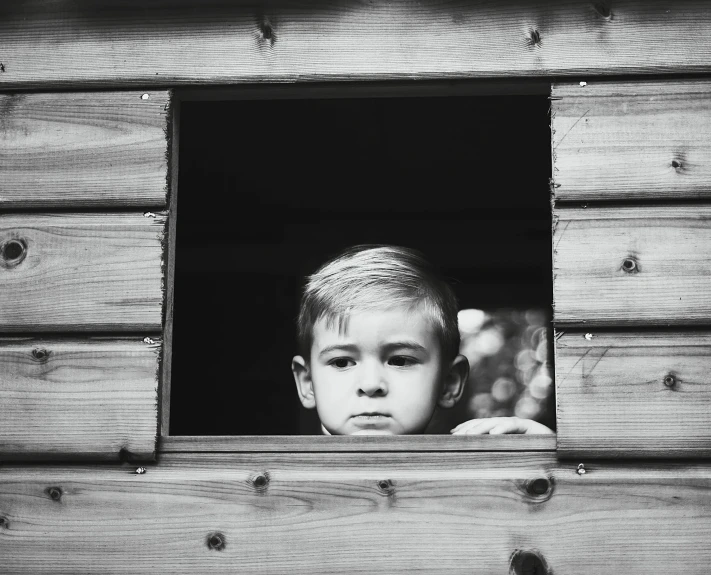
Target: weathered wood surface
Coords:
[[50, 43], [89, 149], [632, 266], [630, 140], [90, 398], [169, 257], [321, 443], [645, 394], [354, 513], [78, 272]]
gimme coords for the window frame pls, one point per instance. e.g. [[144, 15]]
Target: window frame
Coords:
[[166, 443]]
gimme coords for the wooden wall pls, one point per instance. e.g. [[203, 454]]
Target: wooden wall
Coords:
[[631, 267], [142, 43], [88, 167], [84, 181], [463, 513]]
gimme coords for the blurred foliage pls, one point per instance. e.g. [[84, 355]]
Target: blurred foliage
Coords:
[[510, 368]]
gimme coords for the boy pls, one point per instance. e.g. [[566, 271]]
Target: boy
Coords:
[[379, 344]]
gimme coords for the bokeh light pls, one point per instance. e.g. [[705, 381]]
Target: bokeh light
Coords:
[[510, 368]]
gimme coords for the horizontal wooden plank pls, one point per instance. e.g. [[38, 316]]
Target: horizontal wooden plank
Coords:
[[632, 266], [321, 443], [93, 398], [629, 140], [633, 394], [354, 513], [50, 43], [104, 149], [74, 272]]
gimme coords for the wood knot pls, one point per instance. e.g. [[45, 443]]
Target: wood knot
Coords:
[[55, 493], [386, 486], [266, 31], [677, 165], [216, 541], [670, 381], [630, 265], [603, 8], [40, 354], [12, 252], [4, 523], [528, 562], [534, 38], [540, 488], [260, 481]]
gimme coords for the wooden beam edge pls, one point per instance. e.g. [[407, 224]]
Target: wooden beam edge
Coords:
[[320, 443]]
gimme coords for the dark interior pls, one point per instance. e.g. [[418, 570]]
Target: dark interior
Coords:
[[270, 189]]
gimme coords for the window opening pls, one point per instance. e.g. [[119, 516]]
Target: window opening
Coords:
[[270, 189]]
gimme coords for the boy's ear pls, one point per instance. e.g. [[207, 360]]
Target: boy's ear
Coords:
[[304, 385], [454, 382]]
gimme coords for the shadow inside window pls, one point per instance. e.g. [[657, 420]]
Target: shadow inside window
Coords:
[[269, 190]]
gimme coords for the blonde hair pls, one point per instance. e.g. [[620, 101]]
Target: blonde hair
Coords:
[[372, 277]]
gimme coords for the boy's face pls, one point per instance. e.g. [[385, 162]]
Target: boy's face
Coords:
[[383, 376]]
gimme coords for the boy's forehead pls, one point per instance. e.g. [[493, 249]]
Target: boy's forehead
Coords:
[[382, 326]]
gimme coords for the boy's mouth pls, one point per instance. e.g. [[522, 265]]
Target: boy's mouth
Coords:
[[370, 415]]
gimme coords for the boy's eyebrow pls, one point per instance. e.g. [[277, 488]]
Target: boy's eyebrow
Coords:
[[413, 345], [338, 347]]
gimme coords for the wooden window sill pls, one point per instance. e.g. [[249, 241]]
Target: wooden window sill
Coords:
[[320, 443]]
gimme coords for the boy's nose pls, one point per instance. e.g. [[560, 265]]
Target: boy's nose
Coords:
[[372, 383]]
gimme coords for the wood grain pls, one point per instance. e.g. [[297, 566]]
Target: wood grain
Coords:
[[83, 149], [349, 443], [669, 284], [81, 272], [169, 257], [93, 398], [630, 140], [645, 394], [50, 43], [355, 513]]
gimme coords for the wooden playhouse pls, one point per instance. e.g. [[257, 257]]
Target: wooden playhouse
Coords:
[[90, 479]]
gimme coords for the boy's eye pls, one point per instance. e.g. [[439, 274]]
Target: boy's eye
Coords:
[[401, 361], [341, 362]]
